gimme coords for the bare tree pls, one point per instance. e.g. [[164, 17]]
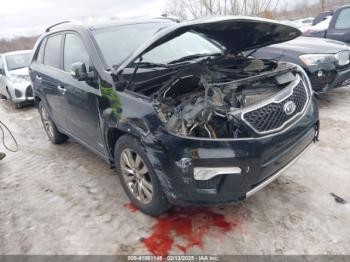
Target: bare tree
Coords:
[[202, 8], [176, 8]]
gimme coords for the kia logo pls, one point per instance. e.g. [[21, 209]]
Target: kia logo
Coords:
[[289, 108]]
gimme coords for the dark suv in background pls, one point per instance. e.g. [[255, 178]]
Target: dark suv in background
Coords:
[[184, 115], [339, 25]]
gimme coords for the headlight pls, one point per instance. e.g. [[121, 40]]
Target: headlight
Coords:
[[316, 59], [19, 78], [343, 58], [15, 79]]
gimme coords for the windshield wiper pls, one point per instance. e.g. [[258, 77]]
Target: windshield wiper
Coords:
[[191, 57], [149, 64]]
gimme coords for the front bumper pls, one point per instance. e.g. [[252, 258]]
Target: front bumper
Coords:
[[21, 92], [332, 79], [261, 160]]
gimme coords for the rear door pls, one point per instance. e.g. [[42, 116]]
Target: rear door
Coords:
[[81, 97], [46, 75], [339, 28]]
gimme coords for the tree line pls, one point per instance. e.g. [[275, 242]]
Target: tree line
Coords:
[[273, 9], [17, 43]]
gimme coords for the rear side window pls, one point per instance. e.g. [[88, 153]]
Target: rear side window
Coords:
[[52, 51], [40, 55], [74, 51], [343, 21]]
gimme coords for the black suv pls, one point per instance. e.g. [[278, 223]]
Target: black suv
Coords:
[[180, 110]]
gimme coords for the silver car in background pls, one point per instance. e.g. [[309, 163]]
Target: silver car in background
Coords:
[[14, 77]]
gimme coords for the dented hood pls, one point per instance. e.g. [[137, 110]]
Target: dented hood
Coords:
[[236, 34]]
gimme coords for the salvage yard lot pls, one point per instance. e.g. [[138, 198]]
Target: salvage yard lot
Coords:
[[65, 200]]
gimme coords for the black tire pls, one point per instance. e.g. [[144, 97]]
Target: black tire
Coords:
[[55, 136], [158, 203], [18, 105], [9, 94]]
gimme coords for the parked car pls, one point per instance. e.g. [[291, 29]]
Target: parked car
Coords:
[[327, 62], [338, 27], [322, 16], [14, 77], [319, 29], [184, 116], [304, 21]]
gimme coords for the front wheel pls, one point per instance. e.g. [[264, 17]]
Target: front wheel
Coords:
[[50, 128], [138, 177]]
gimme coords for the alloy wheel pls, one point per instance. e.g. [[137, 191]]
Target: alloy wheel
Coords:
[[48, 125], [136, 175]]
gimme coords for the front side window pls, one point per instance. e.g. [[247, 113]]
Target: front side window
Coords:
[[17, 61], [343, 21], [52, 51], [74, 51]]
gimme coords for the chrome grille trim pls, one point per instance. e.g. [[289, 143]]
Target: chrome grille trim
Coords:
[[274, 101]]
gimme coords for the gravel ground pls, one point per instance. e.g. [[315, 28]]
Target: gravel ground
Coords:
[[65, 200]]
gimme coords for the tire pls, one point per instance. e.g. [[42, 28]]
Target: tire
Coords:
[[18, 105], [142, 178], [9, 94], [50, 128]]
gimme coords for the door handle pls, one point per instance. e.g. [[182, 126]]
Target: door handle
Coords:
[[38, 77], [62, 89]]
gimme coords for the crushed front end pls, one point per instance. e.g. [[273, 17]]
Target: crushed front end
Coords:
[[228, 131]]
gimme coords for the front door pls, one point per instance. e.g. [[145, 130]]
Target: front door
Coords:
[[81, 97]]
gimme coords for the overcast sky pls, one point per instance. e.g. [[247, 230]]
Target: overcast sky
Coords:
[[30, 17]]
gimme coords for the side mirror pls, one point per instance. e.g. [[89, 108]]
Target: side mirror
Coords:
[[2, 71], [78, 71]]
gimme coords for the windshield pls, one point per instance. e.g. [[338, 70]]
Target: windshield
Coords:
[[187, 45], [118, 42], [17, 61]]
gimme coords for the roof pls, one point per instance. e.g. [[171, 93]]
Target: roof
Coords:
[[96, 25]]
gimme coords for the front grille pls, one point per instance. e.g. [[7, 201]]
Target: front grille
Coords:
[[29, 91], [272, 117]]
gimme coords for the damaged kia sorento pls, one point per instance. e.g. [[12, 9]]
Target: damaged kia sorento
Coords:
[[182, 110]]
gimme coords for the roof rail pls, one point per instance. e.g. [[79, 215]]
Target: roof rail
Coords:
[[60, 23]]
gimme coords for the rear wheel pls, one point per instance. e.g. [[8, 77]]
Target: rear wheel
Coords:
[[138, 177], [50, 128]]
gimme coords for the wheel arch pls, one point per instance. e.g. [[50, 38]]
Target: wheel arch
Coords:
[[112, 136]]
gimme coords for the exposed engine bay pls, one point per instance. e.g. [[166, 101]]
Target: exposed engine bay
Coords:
[[205, 103]]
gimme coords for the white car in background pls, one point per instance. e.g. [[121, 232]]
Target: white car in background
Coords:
[[304, 21], [15, 82], [320, 27]]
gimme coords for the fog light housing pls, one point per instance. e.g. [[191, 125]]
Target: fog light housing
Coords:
[[206, 173], [18, 93], [320, 73]]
